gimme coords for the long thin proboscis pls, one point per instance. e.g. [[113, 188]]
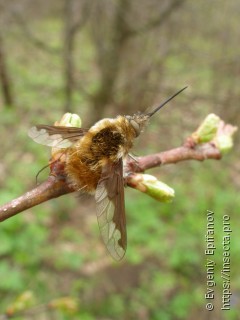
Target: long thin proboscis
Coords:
[[165, 102]]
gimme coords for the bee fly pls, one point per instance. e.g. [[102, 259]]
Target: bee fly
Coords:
[[94, 165]]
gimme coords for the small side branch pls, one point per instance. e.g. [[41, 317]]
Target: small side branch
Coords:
[[157, 21], [28, 33], [207, 151]]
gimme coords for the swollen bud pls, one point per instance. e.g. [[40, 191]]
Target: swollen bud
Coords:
[[69, 120], [207, 130], [224, 138], [150, 185]]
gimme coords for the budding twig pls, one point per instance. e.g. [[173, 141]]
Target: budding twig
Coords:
[[57, 184]]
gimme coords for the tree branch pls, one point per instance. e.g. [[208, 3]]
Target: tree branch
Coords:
[[207, 151], [56, 185], [219, 137], [156, 22], [49, 189], [27, 32]]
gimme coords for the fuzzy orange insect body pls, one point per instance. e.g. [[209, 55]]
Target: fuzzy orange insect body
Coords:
[[94, 164], [105, 142]]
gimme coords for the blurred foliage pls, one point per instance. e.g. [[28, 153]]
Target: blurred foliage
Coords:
[[54, 250]]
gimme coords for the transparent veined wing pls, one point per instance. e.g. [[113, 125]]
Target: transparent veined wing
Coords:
[[111, 209], [56, 136]]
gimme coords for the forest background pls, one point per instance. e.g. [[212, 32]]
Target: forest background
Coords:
[[100, 59]]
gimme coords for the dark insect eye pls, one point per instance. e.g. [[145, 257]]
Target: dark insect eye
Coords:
[[136, 127], [134, 124]]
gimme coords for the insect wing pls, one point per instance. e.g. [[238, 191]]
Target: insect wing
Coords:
[[56, 136], [111, 209]]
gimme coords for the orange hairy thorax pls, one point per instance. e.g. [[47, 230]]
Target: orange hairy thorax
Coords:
[[107, 141]]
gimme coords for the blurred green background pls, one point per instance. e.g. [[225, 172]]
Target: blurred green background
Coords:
[[100, 59]]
